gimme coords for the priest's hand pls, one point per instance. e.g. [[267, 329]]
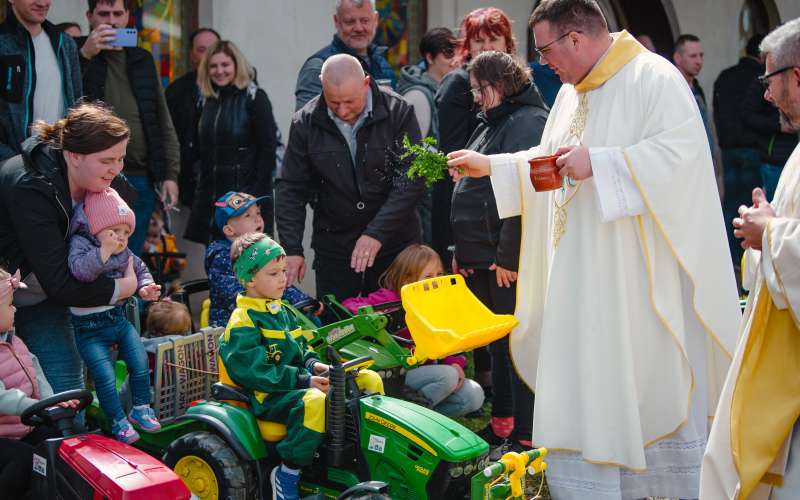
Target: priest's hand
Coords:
[[505, 277], [574, 162], [466, 163], [750, 224]]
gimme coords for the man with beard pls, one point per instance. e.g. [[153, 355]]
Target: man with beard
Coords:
[[755, 440]]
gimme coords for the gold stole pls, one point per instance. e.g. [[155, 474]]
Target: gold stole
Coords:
[[766, 397]]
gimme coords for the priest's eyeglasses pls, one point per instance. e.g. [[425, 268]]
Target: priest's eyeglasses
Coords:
[[542, 51], [764, 79]]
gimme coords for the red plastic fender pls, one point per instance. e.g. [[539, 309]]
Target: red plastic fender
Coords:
[[119, 471]]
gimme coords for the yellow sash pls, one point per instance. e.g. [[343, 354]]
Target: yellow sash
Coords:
[[766, 398], [622, 50]]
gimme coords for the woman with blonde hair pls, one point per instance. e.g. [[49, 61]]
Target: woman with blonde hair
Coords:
[[236, 138]]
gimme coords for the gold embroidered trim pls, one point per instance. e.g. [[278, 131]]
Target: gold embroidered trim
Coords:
[[576, 127]]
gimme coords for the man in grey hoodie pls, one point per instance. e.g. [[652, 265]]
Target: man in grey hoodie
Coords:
[[418, 83]]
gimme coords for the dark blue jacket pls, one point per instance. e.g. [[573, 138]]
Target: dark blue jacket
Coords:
[[308, 83], [18, 79], [223, 287]]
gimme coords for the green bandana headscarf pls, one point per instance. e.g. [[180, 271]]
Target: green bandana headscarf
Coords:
[[256, 256]]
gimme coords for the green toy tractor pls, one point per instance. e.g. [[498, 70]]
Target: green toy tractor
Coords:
[[368, 333], [419, 453], [220, 450]]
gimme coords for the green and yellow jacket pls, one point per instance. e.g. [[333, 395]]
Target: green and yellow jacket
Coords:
[[264, 350]]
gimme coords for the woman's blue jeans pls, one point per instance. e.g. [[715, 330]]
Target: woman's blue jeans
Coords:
[[94, 335]]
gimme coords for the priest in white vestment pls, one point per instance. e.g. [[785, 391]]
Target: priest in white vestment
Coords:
[[754, 447], [626, 297]]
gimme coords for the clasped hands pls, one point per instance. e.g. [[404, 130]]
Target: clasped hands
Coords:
[[750, 225]]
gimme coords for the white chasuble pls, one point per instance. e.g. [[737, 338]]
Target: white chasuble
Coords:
[[626, 297], [751, 440]]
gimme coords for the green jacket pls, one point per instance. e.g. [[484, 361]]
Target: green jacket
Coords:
[[264, 350]]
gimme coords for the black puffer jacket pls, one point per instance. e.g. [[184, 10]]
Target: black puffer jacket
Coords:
[[481, 237], [729, 92], [183, 100], [372, 197], [35, 210], [236, 145]]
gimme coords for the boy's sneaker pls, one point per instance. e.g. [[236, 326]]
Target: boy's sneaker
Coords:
[[144, 418], [284, 483], [124, 433]]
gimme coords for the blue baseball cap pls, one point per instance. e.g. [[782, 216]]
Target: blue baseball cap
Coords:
[[233, 204]]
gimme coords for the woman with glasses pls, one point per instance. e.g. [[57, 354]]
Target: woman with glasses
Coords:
[[236, 138], [511, 118], [481, 30]]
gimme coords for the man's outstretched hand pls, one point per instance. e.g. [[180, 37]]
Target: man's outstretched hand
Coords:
[[466, 163], [752, 221]]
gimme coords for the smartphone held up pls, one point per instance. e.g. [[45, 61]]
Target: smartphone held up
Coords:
[[125, 37]]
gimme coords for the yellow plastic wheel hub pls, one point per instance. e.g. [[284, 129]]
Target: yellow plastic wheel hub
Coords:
[[198, 476]]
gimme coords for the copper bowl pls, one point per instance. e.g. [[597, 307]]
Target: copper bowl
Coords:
[[544, 173]]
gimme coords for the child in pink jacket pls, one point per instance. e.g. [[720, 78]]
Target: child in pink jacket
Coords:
[[22, 383], [441, 386]]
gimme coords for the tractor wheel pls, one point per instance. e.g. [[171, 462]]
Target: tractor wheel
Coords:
[[210, 468]]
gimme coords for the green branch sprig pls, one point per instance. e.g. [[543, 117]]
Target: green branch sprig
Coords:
[[427, 163]]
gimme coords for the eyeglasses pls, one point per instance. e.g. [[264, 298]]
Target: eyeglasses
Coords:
[[541, 51], [479, 91], [764, 79]]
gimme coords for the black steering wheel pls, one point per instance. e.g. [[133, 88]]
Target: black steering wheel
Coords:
[[308, 306], [46, 411]]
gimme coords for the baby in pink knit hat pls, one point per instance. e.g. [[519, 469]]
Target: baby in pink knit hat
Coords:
[[99, 246]]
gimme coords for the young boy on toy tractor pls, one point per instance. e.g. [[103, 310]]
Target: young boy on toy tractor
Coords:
[[264, 351]]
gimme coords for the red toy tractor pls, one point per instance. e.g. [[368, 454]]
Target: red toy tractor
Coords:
[[91, 466]]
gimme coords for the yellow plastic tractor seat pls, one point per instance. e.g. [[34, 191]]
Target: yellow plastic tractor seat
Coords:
[[270, 431], [445, 318]]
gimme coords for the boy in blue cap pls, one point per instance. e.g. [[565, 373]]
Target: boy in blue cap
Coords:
[[235, 215]]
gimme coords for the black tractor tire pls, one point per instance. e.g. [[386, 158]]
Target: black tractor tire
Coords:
[[235, 477]]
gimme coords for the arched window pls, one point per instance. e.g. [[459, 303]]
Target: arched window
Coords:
[[756, 17]]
